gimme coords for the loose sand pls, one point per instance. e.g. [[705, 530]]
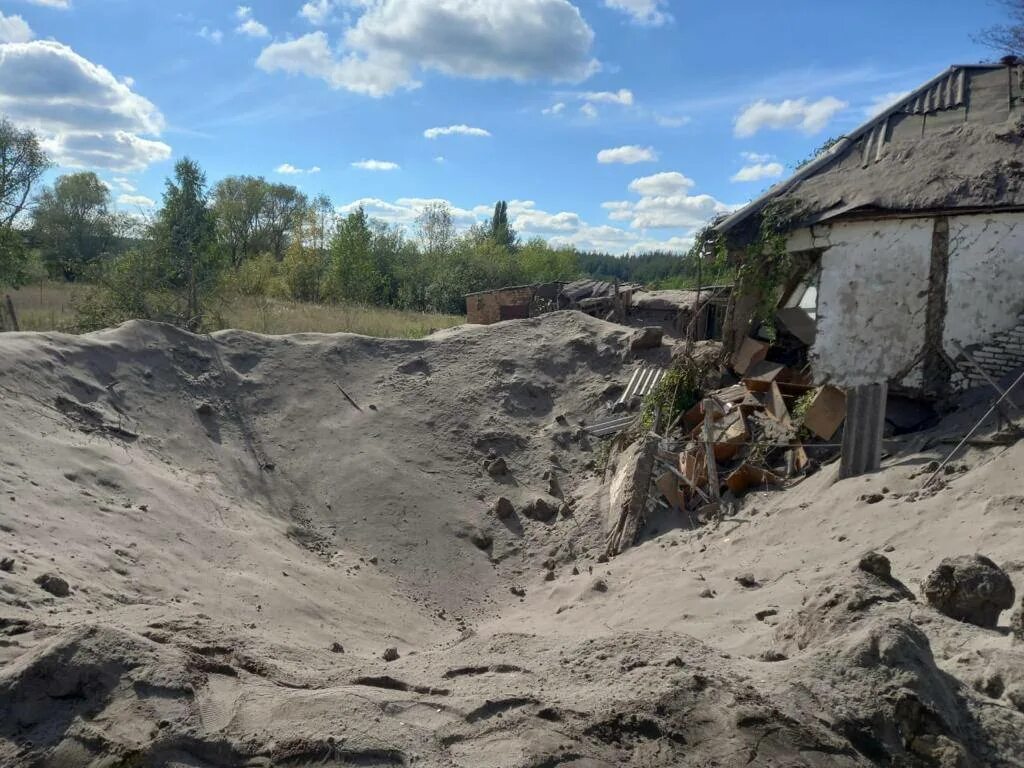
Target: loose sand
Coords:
[[242, 545]]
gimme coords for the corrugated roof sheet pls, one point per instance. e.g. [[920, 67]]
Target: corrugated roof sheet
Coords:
[[948, 91]]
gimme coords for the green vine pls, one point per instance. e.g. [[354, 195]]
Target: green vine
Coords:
[[677, 392], [767, 265]]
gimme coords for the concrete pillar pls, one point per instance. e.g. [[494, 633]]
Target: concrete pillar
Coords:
[[862, 435]]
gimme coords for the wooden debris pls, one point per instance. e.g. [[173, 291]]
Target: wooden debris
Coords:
[[750, 353], [826, 412], [747, 475]]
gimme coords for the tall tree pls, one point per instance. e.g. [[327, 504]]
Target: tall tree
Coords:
[[238, 205], [184, 236], [353, 274], [500, 230], [72, 224], [22, 164], [283, 212], [1007, 38], [436, 230]]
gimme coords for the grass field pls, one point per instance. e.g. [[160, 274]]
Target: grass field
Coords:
[[50, 307]]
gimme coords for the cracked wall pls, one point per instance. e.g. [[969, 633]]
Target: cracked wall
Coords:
[[985, 287], [872, 300]]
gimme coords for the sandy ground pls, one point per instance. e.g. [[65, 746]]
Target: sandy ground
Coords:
[[243, 544]]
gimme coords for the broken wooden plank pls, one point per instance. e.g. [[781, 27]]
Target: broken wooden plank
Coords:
[[709, 449], [750, 353], [826, 412], [747, 475]]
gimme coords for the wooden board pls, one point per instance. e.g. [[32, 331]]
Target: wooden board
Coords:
[[826, 412], [747, 475], [750, 353]]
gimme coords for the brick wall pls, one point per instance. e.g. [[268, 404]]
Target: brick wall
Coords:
[[1002, 354], [485, 308]]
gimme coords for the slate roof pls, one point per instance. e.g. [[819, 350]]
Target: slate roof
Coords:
[[957, 142]]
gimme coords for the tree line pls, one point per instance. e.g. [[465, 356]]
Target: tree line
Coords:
[[247, 236]]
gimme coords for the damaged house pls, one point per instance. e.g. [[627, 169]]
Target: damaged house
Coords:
[[903, 246]]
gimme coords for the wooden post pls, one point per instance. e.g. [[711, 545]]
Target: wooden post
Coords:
[[11, 313], [710, 407]]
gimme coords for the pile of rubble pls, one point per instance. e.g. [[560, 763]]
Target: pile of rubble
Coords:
[[765, 426]]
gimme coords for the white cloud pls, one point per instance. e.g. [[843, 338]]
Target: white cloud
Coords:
[[440, 159], [287, 169], [14, 29], [676, 211], [123, 184], [554, 109], [393, 40], [455, 130], [138, 201], [61, 5], [623, 96], [627, 155], [85, 115], [881, 103], [589, 111], [667, 183], [213, 35], [376, 165], [809, 117], [318, 12], [646, 12], [249, 26], [758, 172], [666, 203], [757, 157]]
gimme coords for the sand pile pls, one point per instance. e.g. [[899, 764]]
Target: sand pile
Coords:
[[246, 527]]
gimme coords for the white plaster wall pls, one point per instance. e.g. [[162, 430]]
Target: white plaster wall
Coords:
[[985, 283], [872, 300]]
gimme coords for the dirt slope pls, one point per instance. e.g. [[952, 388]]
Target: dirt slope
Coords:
[[224, 515]]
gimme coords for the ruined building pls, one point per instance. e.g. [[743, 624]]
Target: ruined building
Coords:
[[909, 239]]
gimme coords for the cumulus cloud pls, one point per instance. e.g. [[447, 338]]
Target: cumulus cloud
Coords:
[[14, 29], [376, 165], [85, 116], [666, 203], [757, 157], [393, 40], [287, 169], [589, 111], [554, 109], [758, 172], [248, 25], [628, 155], [623, 96], [318, 12], [123, 184], [667, 183], [455, 130], [807, 116], [60, 5], [136, 201], [650, 13], [213, 35]]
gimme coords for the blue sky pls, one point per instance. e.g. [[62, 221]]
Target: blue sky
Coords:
[[610, 124]]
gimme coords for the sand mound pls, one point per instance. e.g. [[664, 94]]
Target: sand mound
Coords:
[[245, 524]]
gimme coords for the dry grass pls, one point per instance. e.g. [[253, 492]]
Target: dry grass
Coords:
[[273, 316], [46, 306], [49, 307]]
